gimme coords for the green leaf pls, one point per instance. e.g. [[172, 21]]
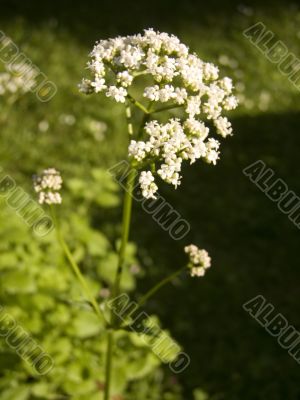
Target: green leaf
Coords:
[[8, 260], [42, 389], [97, 244], [17, 393], [85, 324], [107, 267], [19, 282]]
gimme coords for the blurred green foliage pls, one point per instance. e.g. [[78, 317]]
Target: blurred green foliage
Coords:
[[39, 290]]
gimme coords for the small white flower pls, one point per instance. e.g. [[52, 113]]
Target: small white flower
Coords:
[[169, 172], [98, 67], [210, 71], [212, 157], [124, 78], [197, 271], [212, 109], [180, 95], [130, 57], [50, 198], [226, 84], [152, 93], [230, 103], [223, 126], [166, 93], [197, 128], [98, 84], [48, 185], [199, 260], [118, 93], [147, 184], [138, 150], [212, 154], [86, 86], [193, 106]]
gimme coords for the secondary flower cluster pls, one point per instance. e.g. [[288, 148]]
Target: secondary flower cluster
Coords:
[[15, 81], [199, 260], [48, 185], [169, 144], [180, 79]]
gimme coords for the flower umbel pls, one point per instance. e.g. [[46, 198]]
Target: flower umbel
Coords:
[[48, 185], [176, 78], [199, 260]]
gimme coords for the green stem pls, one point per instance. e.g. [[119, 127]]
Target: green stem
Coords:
[[128, 118], [159, 285], [145, 119], [125, 228], [138, 104], [74, 266], [116, 288], [108, 364]]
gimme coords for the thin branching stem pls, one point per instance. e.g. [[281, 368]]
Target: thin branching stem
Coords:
[[159, 285], [138, 104], [74, 265]]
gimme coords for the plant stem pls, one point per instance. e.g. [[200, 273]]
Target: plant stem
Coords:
[[127, 207], [138, 104], [125, 228], [108, 364], [144, 120], [159, 285], [74, 266]]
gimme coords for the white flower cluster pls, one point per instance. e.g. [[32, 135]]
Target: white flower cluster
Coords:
[[13, 82], [199, 260], [47, 186], [180, 79], [147, 184], [170, 144]]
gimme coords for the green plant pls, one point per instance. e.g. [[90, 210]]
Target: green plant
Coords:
[[191, 89], [40, 292]]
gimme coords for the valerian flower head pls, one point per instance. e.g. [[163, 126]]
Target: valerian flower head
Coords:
[[175, 78], [199, 260], [48, 185]]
